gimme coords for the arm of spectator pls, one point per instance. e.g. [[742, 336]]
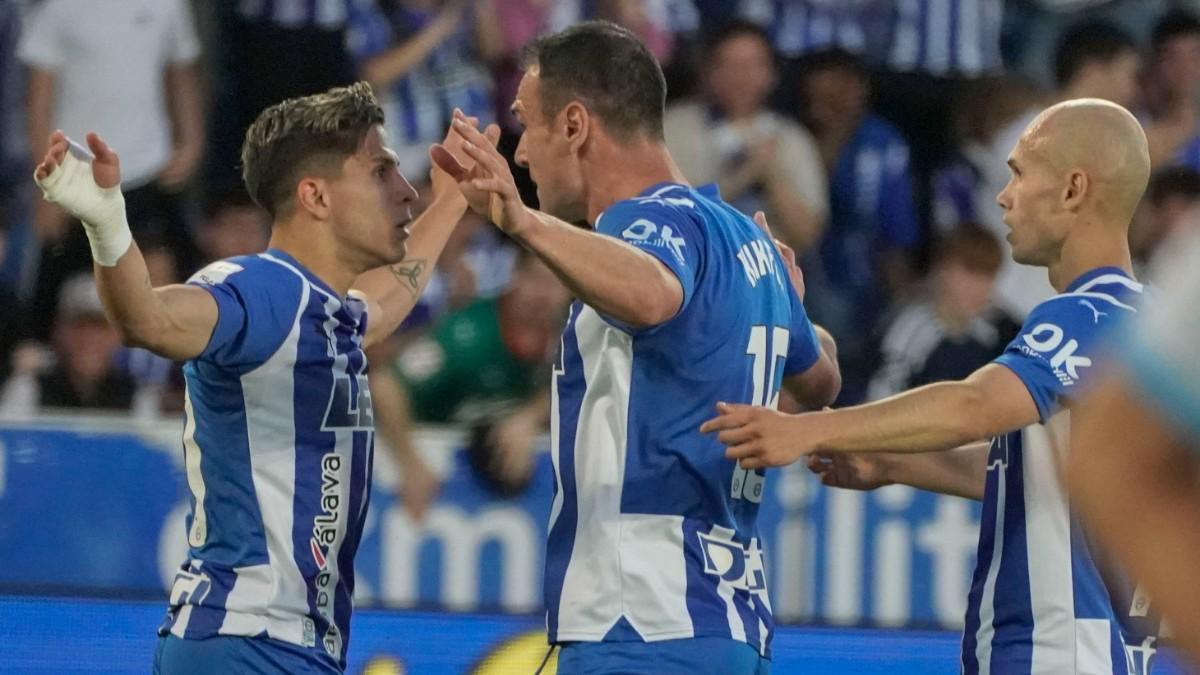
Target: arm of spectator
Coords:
[[173, 321], [515, 434], [393, 421], [489, 34], [796, 189], [961, 472], [384, 69], [185, 93]]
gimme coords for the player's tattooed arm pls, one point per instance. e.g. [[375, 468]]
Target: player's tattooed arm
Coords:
[[409, 273]]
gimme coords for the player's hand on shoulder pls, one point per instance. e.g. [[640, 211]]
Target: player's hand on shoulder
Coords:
[[757, 437], [850, 471], [795, 274]]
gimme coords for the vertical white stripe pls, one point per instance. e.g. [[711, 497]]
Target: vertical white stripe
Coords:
[[271, 434], [906, 36], [195, 478], [654, 574], [181, 621], [737, 629], [591, 597], [939, 36], [243, 606], [1048, 541], [555, 432], [1093, 647], [843, 590], [970, 37], [987, 603]]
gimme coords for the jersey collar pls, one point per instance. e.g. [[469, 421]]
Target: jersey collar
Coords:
[[312, 278], [1095, 274]]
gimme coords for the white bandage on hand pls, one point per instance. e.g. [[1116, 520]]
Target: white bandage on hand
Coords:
[[102, 210]]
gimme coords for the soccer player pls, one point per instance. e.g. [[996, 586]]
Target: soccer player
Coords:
[[1037, 603], [278, 433], [1145, 505], [653, 561]]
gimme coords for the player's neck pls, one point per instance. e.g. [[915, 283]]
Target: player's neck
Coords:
[[1080, 255], [624, 172], [318, 257]]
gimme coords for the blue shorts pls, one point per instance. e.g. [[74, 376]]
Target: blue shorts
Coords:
[[234, 654], [669, 657]]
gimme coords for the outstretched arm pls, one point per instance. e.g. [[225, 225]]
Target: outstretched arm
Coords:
[[960, 472], [643, 292], [174, 321], [992, 401]]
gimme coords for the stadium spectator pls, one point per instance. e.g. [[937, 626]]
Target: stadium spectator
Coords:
[[483, 366], [1077, 175], [424, 58], [1168, 215], [127, 71], [231, 225], [82, 372], [759, 159], [1173, 90], [1145, 510], [863, 260], [952, 330]]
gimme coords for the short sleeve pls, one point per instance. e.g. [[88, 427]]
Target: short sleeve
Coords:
[[41, 38], [1054, 352], [183, 44], [1160, 348], [803, 347], [664, 231], [256, 309]]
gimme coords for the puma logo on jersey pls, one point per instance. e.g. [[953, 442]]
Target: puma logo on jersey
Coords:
[[1095, 312]]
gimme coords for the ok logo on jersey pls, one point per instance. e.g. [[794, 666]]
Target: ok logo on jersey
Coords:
[[1047, 338], [740, 567], [349, 405]]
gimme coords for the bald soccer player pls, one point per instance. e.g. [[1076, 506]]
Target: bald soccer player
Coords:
[[1037, 603]]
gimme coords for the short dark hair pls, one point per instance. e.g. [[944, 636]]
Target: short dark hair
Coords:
[[1173, 182], [832, 58], [1086, 43], [735, 28], [971, 246], [1174, 24], [608, 69], [303, 135]]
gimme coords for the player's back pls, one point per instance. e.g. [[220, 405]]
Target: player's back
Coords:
[[1038, 603], [277, 446], [653, 531]]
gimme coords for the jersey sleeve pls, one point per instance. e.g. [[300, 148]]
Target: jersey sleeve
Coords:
[[256, 310], [1058, 343], [803, 347], [663, 231]]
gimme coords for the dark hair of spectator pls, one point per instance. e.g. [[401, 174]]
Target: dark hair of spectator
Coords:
[[302, 136], [607, 69], [971, 246], [1087, 43], [736, 28], [1173, 182], [834, 58], [1173, 25], [217, 200]]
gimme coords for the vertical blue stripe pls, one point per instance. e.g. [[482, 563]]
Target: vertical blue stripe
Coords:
[[983, 561], [706, 608], [1012, 646], [560, 541], [206, 620]]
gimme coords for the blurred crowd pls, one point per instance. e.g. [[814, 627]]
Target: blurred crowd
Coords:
[[873, 133]]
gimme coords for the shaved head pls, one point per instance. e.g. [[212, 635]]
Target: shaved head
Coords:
[[1102, 140]]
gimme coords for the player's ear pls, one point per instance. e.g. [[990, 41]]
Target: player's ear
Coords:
[[313, 197], [1075, 190], [576, 124]]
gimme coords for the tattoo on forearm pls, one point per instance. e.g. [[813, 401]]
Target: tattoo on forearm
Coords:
[[409, 275]]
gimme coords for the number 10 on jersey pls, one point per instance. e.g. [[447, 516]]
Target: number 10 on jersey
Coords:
[[767, 357]]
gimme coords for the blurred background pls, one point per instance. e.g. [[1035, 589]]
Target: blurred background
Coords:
[[873, 133]]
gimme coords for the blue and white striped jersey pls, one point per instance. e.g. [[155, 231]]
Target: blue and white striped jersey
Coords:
[[1038, 604], [945, 37], [652, 531], [277, 445], [321, 14]]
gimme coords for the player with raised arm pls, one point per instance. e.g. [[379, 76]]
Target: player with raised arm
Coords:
[[653, 560], [278, 436], [1037, 603]]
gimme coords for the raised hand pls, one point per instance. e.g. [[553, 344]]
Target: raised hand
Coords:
[[106, 166], [488, 185]]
